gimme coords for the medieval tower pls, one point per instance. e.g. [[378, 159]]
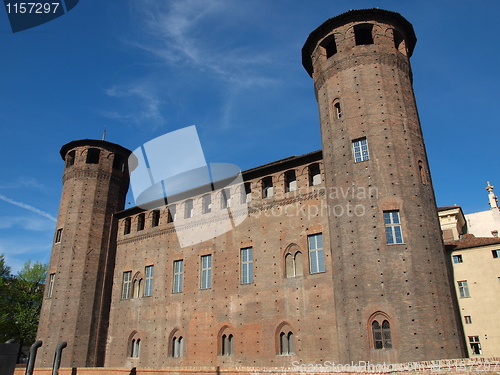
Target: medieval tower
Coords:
[[389, 269], [77, 297]]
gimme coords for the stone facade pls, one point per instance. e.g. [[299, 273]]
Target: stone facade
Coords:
[[340, 258]]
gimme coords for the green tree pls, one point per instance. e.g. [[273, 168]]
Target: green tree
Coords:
[[22, 299]]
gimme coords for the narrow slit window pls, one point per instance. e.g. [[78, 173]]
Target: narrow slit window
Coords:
[[58, 235], [267, 187], [314, 175], [290, 181], [188, 209], [155, 218], [225, 198], [127, 225], [141, 221], [206, 202]]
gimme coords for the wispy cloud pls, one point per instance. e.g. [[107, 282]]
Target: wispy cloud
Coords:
[[145, 100], [28, 207]]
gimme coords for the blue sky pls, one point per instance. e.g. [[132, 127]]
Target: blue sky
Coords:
[[144, 68]]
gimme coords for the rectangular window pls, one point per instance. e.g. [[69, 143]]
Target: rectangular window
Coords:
[[457, 259], [127, 279], [393, 227], [148, 287], [178, 273], [468, 319], [225, 198], [246, 265], [495, 253], [58, 235], [463, 289], [206, 272], [475, 345], [360, 150], [172, 210], [155, 218], [316, 253], [50, 289]]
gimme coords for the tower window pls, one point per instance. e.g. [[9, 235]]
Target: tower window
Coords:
[[399, 42], [155, 218], [290, 181], [463, 289], [286, 343], [177, 346], [381, 335], [316, 253], [457, 258], [93, 156], [293, 264], [126, 286], [70, 159], [337, 109], [178, 273], [227, 344], [171, 213], [475, 345], [267, 187], [206, 272], [206, 202], [135, 348], [127, 224], [188, 209], [246, 257], [360, 150], [329, 46], [363, 34], [246, 193], [393, 227], [314, 175], [50, 289], [58, 235], [148, 287], [140, 221], [225, 198], [118, 163]]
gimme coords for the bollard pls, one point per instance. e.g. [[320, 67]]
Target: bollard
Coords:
[[32, 356], [57, 357]]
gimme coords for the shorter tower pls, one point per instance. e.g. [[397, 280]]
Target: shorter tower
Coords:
[[75, 308]]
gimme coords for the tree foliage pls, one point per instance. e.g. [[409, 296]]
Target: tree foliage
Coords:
[[20, 301]]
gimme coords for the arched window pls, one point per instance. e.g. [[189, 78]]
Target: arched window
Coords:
[[399, 42], [177, 346], [314, 175], [329, 46], [70, 159], [293, 264], [246, 193], [363, 34], [286, 343], [225, 196], [137, 287], [227, 344], [93, 156], [188, 209], [126, 225], [118, 162], [337, 110], [135, 347], [381, 334], [140, 221], [267, 187], [206, 204], [421, 172], [171, 213], [155, 218], [290, 181]]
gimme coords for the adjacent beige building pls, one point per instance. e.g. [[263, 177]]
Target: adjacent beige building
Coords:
[[474, 248]]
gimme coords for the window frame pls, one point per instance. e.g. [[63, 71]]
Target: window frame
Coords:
[[127, 285], [206, 271], [360, 150], [463, 289], [457, 258], [178, 275], [58, 235], [50, 288], [148, 280], [246, 265], [316, 253], [393, 229]]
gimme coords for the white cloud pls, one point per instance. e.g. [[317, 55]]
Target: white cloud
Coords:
[[28, 207]]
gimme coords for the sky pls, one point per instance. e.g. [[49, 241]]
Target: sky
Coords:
[[143, 68]]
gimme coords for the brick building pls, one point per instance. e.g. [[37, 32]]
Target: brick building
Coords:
[[339, 259]]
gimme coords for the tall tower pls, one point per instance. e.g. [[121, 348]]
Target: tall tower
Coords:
[[76, 303], [393, 295]]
